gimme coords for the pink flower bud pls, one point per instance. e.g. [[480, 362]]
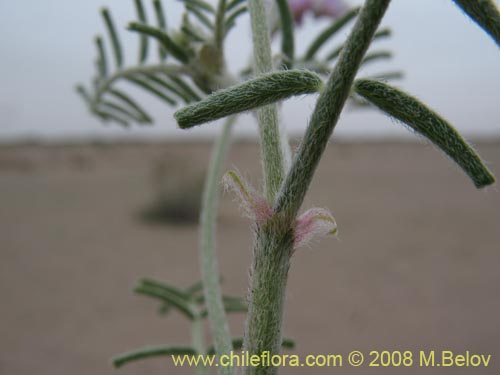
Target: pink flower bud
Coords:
[[320, 8], [253, 205], [312, 223]]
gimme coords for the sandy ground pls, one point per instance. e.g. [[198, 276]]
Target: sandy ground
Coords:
[[416, 265]]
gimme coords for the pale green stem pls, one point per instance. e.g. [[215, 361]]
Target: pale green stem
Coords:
[[208, 258], [198, 339], [271, 149], [275, 237]]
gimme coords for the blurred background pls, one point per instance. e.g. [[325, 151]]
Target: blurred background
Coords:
[[86, 210]]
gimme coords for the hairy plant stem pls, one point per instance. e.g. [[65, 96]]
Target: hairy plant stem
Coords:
[[208, 259], [274, 238], [269, 274], [328, 108], [267, 116]]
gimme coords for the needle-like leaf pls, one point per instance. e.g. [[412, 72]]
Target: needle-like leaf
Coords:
[[195, 11], [231, 19], [195, 288], [387, 76], [110, 116], [287, 37], [188, 90], [165, 287], [115, 42], [374, 56], [168, 296], [160, 81], [80, 89], [191, 31], [176, 51], [322, 38], [101, 59], [142, 82], [382, 33], [143, 44], [132, 103], [426, 122], [162, 25], [266, 89], [233, 4], [151, 351], [124, 112], [200, 4], [485, 13]]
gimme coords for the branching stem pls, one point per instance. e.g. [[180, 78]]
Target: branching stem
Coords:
[[328, 108], [274, 238]]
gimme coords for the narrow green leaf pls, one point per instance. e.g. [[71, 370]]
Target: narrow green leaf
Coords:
[[124, 112], [231, 304], [266, 89], [382, 33], [165, 287], [151, 351], [115, 42], [80, 89], [110, 116], [485, 13], [160, 81], [167, 296], [374, 56], [101, 59], [132, 103], [231, 19], [194, 289], [387, 76], [176, 51], [424, 121], [287, 27], [190, 30], [233, 4], [322, 38], [152, 89], [143, 39], [162, 25], [200, 15], [185, 87], [202, 5]]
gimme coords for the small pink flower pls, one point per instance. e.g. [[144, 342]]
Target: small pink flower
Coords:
[[320, 8]]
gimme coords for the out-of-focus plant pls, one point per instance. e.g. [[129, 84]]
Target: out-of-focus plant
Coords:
[[177, 191], [190, 302], [199, 77]]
